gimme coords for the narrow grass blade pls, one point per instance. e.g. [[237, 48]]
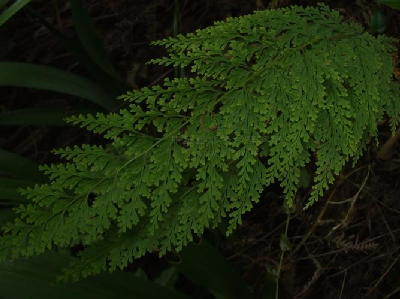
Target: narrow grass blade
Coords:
[[9, 190], [89, 38], [204, 265], [13, 9], [395, 4], [168, 278], [378, 22], [6, 215], [35, 279], [108, 82], [48, 78], [34, 116], [46, 116], [20, 167], [3, 3]]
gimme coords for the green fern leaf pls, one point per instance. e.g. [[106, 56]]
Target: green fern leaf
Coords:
[[267, 94]]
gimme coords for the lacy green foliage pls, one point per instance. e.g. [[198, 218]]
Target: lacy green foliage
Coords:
[[268, 91]]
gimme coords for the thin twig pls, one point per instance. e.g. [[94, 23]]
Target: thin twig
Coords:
[[343, 283], [353, 200], [281, 259], [384, 151], [319, 218], [392, 293], [386, 272]]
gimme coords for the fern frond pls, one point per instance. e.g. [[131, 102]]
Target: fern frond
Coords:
[[267, 94]]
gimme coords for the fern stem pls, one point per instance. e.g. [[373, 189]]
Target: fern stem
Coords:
[[281, 258]]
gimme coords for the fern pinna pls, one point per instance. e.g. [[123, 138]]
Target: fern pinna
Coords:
[[265, 92]]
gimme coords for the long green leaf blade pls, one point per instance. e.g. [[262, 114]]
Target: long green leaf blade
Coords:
[[12, 10], [378, 22], [9, 189], [35, 279], [89, 38], [15, 165], [48, 78], [6, 215], [3, 3], [108, 82], [204, 265], [395, 4], [44, 116]]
